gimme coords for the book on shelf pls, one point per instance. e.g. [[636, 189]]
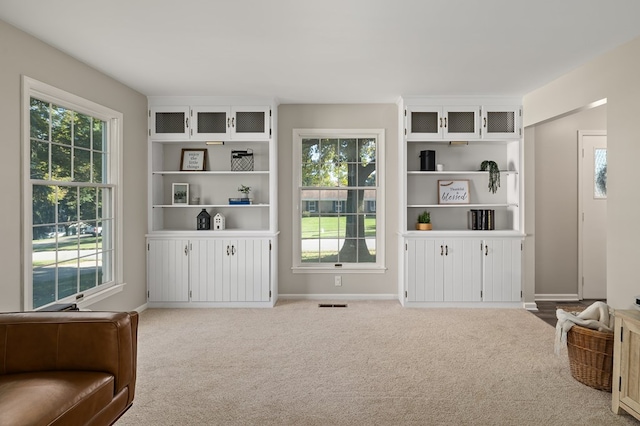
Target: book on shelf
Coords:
[[482, 220], [233, 201]]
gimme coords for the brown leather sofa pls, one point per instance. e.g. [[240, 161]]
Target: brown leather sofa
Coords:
[[67, 368]]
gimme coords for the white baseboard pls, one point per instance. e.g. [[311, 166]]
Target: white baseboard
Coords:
[[530, 306], [338, 296], [141, 308], [557, 298]]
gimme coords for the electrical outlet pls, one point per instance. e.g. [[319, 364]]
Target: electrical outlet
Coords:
[[337, 280]]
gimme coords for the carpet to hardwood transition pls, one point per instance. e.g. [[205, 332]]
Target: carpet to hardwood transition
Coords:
[[372, 363]]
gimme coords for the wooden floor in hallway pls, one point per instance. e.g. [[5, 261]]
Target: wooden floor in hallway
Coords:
[[547, 310]]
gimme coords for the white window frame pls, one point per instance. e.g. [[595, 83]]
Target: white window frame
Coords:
[[297, 265], [32, 88]]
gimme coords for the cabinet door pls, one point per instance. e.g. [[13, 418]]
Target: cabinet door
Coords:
[[500, 122], [169, 123], [168, 270], [246, 270], [502, 259], [463, 270], [424, 270], [424, 123], [461, 122], [629, 358], [210, 123], [204, 270], [251, 123]]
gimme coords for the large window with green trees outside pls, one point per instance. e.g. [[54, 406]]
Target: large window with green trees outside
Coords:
[[72, 203], [337, 188]]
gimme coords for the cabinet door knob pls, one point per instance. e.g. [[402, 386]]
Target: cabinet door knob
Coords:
[[186, 122], [441, 250], [228, 122], [233, 122], [485, 122], [233, 250], [486, 250], [227, 250], [186, 250], [445, 122], [446, 250], [440, 121]]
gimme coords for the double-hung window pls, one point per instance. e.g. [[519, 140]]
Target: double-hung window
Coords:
[[71, 183], [337, 176]]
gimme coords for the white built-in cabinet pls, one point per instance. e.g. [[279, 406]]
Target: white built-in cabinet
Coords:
[[453, 264], [203, 123], [187, 267], [218, 270]]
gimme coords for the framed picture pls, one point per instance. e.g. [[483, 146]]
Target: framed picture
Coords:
[[453, 192], [193, 160], [180, 193]]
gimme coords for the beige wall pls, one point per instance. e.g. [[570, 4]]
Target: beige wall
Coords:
[[24, 55], [556, 199], [373, 116], [613, 76]]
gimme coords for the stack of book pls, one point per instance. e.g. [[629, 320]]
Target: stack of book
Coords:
[[482, 220], [240, 200]]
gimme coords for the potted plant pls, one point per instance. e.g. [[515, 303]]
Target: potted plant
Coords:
[[245, 190], [494, 174], [424, 221]]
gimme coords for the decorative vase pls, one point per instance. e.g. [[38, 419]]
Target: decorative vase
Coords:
[[423, 226]]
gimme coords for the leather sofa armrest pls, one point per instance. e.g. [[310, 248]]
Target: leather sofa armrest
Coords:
[[87, 341]]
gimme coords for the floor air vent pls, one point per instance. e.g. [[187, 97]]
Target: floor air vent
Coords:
[[332, 305]]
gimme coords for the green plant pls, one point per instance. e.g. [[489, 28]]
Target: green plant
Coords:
[[424, 217], [494, 174], [244, 189]]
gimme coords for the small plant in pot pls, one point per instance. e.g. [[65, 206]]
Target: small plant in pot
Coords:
[[494, 174], [245, 190], [424, 221]]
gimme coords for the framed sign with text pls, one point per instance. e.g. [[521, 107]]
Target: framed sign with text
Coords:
[[193, 160], [453, 192]]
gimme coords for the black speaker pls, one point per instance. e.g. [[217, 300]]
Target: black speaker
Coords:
[[427, 161]]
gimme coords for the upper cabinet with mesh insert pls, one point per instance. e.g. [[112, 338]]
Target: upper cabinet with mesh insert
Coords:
[[209, 123], [464, 123]]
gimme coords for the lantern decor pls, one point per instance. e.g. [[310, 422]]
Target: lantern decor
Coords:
[[218, 222], [204, 221]]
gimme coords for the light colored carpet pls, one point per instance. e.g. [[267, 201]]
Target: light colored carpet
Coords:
[[373, 363]]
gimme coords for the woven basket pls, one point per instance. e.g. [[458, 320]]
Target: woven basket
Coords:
[[591, 356]]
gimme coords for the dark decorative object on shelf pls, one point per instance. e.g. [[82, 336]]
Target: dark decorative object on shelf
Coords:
[[242, 161], [427, 161], [494, 174], [204, 221]]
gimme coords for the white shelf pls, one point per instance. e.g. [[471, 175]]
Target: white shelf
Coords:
[[207, 206], [217, 172], [459, 205], [458, 172]]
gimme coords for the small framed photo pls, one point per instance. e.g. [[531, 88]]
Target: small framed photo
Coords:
[[180, 193], [453, 192], [193, 160]]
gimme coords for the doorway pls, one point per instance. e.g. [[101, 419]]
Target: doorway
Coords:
[[592, 214]]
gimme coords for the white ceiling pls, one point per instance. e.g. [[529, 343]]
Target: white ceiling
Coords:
[[330, 51]]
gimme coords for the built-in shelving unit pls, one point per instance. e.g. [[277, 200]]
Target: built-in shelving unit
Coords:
[[233, 266], [461, 133]]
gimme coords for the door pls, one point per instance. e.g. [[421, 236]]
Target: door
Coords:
[[592, 247], [251, 123], [424, 270], [210, 123], [424, 122], [462, 270], [168, 270], [502, 270], [169, 123]]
